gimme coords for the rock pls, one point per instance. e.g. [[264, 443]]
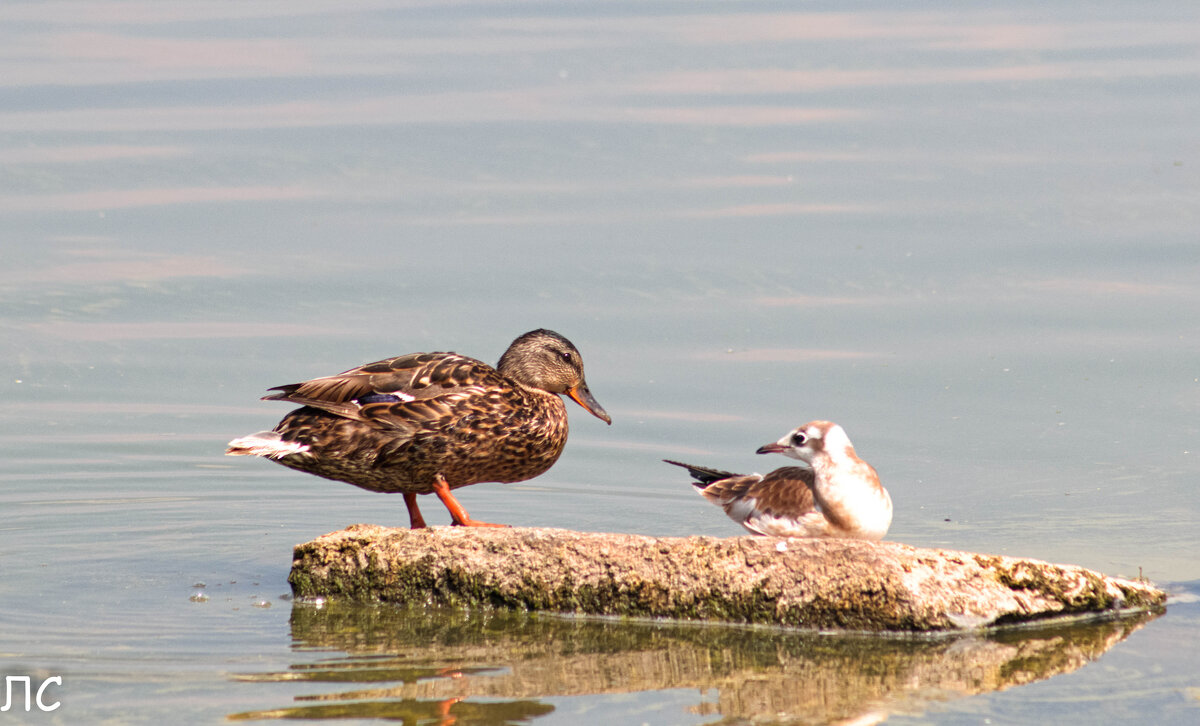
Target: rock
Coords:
[[808, 583]]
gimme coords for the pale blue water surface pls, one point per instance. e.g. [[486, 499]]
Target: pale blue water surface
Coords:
[[970, 235]]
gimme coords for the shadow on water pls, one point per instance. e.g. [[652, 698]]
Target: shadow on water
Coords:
[[496, 668]]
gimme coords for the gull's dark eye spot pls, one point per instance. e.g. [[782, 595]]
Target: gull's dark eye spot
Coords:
[[799, 439]]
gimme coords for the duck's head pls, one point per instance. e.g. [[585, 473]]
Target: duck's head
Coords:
[[544, 359]]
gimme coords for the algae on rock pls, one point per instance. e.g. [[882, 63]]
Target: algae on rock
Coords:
[[807, 583]]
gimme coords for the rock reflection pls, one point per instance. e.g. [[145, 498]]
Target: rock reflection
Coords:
[[494, 668]]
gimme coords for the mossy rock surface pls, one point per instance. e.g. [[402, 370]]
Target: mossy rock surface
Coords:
[[806, 583]]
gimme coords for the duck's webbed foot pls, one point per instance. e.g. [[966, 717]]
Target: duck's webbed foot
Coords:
[[458, 515]]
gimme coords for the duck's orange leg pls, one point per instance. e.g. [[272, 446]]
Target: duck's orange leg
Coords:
[[457, 513], [447, 718], [415, 520], [443, 710]]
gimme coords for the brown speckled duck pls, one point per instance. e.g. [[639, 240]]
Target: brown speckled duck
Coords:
[[432, 422]]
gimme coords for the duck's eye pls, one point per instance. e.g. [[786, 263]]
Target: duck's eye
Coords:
[[566, 356], [799, 439]]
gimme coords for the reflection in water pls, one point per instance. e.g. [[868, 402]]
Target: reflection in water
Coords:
[[445, 712], [466, 667]]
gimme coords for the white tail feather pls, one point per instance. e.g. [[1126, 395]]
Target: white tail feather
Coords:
[[264, 443]]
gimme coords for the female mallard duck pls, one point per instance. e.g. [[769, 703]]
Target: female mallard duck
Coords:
[[432, 422], [835, 493]]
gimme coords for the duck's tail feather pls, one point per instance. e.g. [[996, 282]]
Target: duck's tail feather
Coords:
[[264, 443]]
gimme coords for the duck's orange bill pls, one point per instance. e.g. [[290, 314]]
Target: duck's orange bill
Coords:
[[581, 395]]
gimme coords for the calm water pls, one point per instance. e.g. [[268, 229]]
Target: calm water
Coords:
[[969, 236]]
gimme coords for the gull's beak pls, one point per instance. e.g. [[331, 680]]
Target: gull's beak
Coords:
[[581, 395], [772, 448]]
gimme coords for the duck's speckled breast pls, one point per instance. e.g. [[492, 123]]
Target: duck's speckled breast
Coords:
[[507, 443]]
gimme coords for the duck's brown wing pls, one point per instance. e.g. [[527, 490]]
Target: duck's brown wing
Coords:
[[400, 392]]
